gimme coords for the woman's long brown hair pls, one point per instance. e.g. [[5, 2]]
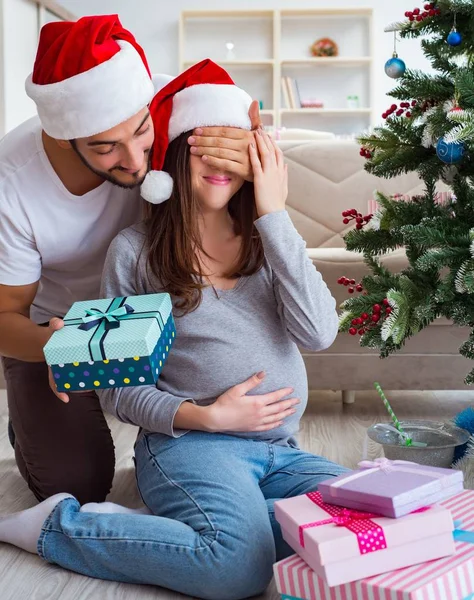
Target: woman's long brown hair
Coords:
[[173, 237]]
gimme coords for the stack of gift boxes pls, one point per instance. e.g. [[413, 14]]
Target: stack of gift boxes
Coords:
[[393, 530]]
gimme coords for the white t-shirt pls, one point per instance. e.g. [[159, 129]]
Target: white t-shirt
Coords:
[[49, 235]]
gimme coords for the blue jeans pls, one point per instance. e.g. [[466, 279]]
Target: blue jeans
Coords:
[[214, 534]]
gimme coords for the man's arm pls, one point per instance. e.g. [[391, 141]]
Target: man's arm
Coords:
[[19, 337]]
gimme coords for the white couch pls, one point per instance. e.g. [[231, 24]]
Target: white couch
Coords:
[[325, 178]]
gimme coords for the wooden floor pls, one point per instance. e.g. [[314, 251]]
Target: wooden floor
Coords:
[[328, 428]]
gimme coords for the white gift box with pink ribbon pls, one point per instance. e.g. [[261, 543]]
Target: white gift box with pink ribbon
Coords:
[[392, 488], [343, 545]]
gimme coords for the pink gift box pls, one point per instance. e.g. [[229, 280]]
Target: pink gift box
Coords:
[[343, 545], [392, 488], [450, 578]]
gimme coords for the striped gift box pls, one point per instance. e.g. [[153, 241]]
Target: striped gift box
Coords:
[[450, 578]]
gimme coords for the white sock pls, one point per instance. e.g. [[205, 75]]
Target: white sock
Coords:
[[23, 529], [110, 508]]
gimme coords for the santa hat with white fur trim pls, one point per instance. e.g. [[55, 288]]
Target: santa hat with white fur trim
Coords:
[[202, 96], [89, 76]]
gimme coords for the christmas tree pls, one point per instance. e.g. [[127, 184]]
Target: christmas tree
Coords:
[[431, 131]]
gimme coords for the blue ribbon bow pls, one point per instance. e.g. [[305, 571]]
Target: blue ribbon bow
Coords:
[[96, 316]]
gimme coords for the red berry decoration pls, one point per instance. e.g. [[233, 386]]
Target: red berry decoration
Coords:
[[361, 331], [375, 318], [359, 288], [353, 215], [350, 290], [364, 316], [376, 308], [388, 310], [353, 331], [416, 11], [385, 301]]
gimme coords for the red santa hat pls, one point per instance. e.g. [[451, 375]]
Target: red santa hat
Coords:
[[88, 77], [202, 96]]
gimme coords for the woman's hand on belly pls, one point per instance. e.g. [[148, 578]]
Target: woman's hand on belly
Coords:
[[235, 411]]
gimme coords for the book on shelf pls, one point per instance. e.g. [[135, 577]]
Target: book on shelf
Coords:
[[291, 92], [286, 95]]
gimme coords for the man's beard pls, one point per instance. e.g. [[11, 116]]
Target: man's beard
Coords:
[[107, 175]]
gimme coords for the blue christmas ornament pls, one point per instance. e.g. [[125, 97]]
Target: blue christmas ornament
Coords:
[[454, 38], [450, 153], [395, 67]]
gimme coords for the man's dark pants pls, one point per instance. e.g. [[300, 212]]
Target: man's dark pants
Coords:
[[58, 447]]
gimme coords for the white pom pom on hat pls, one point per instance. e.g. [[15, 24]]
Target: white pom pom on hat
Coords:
[[157, 187], [203, 96]]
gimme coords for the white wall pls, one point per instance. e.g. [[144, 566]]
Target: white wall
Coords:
[[18, 37], [155, 25]]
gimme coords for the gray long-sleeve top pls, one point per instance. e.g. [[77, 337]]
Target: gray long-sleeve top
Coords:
[[256, 326]]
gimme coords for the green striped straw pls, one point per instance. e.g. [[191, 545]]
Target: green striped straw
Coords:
[[396, 422]]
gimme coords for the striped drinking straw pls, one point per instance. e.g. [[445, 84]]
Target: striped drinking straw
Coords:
[[396, 422]]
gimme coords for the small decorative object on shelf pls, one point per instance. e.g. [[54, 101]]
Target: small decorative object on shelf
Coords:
[[352, 102], [312, 103], [450, 153], [230, 54], [324, 47]]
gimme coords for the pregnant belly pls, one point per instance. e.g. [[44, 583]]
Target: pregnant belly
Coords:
[[205, 376]]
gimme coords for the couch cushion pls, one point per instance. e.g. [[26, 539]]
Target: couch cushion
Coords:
[[327, 177]]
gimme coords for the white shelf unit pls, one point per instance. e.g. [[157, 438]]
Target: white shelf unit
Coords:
[[269, 44]]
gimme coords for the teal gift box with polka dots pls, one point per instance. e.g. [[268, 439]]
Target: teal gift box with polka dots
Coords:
[[115, 342]]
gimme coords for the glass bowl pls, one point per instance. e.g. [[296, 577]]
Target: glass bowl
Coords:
[[441, 439]]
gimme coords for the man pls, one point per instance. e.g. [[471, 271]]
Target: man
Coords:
[[69, 182]]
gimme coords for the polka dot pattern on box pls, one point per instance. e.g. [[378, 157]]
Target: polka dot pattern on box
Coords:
[[121, 372]]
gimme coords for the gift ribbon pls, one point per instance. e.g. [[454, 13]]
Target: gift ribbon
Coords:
[[95, 316], [462, 535], [370, 536], [102, 323], [388, 466]]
